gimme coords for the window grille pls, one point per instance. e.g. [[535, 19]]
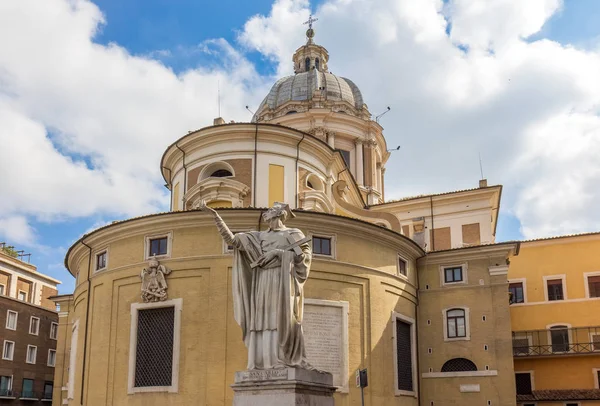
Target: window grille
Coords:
[[523, 383], [404, 356], [158, 246], [459, 365], [595, 338], [221, 173], [453, 274], [520, 346], [321, 245], [154, 353]]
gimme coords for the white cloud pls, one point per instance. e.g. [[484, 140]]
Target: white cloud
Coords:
[[17, 230], [87, 123]]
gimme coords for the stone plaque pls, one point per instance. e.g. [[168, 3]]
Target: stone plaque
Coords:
[[470, 388], [262, 375], [325, 328]]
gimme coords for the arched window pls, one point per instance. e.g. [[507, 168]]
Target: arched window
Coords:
[[314, 182], [307, 64], [291, 112], [456, 323], [459, 365], [317, 64], [309, 185], [221, 173]]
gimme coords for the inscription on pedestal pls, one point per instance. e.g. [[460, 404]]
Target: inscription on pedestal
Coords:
[[263, 375], [325, 326]]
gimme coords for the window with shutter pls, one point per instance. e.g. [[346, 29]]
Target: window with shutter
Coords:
[[594, 285], [523, 383], [404, 356], [555, 289]]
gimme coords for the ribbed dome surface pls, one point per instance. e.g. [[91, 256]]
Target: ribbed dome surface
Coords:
[[301, 87]]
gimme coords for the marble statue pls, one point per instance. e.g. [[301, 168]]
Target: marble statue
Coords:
[[154, 284], [269, 271]]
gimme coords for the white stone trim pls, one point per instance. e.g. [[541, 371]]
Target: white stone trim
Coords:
[[333, 244], [72, 360], [467, 324], [413, 346], [37, 332], [53, 364], [26, 295], [491, 372], [498, 270], [317, 178], [16, 319], [34, 354], [12, 353], [97, 253], [345, 306], [587, 285], [549, 336], [465, 279], [592, 299], [563, 277], [147, 238], [213, 167], [595, 371], [135, 307], [524, 282]]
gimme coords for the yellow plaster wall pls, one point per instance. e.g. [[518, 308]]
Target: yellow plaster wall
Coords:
[[561, 372], [276, 183], [363, 274]]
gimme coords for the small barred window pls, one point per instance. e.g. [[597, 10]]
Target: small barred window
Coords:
[[459, 365], [404, 354], [154, 353]]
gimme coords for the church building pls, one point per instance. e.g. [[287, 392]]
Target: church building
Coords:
[[415, 290]]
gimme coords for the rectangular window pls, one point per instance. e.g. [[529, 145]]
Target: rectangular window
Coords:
[[321, 245], [2, 290], [27, 390], [402, 266], [594, 285], [11, 319], [6, 386], [559, 336], [101, 260], [520, 346], [51, 358], [346, 156], [515, 291], [34, 325], [595, 339], [154, 352], [22, 295], [404, 356], [456, 323], [54, 331], [453, 274], [8, 350], [555, 289], [31, 354], [523, 383], [48, 389], [158, 246]]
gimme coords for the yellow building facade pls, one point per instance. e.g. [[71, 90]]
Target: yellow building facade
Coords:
[[413, 290], [555, 317]]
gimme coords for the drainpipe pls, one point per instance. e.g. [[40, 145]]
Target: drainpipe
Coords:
[[432, 227], [297, 160], [184, 176], [87, 321], [168, 185], [255, 163]]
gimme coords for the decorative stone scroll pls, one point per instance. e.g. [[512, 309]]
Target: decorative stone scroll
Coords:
[[325, 326], [154, 284]]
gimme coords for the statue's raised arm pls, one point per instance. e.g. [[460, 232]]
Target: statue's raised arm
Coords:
[[221, 226]]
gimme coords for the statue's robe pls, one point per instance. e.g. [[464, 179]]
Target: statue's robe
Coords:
[[268, 300]]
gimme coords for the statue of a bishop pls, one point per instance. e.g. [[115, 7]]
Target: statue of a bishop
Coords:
[[269, 271]]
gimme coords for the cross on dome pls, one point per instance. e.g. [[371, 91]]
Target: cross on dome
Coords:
[[310, 33]]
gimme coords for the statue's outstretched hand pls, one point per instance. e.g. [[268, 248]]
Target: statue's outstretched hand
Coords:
[[204, 207]]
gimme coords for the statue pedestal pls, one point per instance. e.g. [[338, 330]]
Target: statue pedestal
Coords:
[[283, 387]]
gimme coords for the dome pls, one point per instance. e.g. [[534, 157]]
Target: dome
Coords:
[[301, 87]]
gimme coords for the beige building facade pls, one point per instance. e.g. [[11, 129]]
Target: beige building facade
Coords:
[[413, 290]]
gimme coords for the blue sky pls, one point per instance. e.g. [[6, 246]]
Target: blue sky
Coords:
[[171, 31]]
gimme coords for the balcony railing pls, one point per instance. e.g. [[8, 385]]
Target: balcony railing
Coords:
[[557, 340], [8, 393]]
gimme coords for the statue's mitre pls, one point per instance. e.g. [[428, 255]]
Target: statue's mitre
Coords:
[[284, 207]]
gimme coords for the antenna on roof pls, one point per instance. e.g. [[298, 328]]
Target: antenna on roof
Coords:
[[394, 149], [480, 166], [379, 116], [248, 108]]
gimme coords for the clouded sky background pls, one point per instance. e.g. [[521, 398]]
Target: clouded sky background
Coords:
[[91, 93]]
